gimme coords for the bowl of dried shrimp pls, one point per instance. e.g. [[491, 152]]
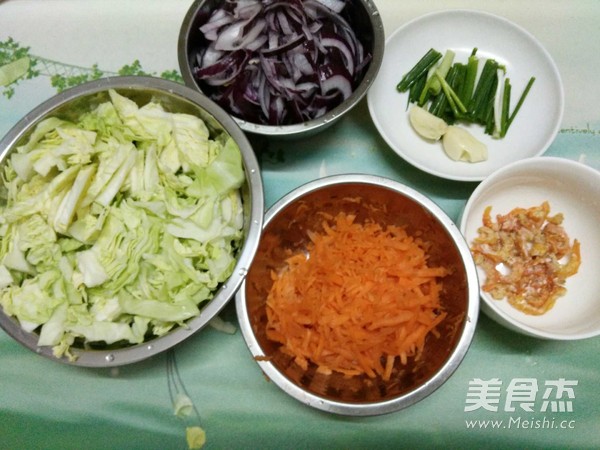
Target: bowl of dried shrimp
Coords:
[[532, 228]]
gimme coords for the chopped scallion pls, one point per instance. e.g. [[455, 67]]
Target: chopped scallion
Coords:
[[470, 77], [505, 107], [421, 68], [441, 72], [520, 102], [455, 91]]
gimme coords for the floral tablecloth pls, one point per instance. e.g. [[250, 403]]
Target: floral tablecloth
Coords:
[[546, 393]]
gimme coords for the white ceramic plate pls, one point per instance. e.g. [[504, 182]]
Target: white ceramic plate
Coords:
[[570, 188], [536, 124]]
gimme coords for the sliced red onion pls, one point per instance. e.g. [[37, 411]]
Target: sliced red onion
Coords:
[[225, 70], [209, 57], [280, 62], [297, 40], [216, 21], [334, 5], [235, 36], [337, 83], [257, 44], [343, 48], [263, 94], [302, 64]]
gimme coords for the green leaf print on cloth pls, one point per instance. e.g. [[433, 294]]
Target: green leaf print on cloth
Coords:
[[18, 64]]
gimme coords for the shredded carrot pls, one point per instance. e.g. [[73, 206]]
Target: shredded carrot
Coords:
[[360, 299]]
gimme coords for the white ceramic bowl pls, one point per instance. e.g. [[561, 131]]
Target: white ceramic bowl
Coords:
[[534, 128], [573, 189]]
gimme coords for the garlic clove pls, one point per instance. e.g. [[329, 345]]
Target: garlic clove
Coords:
[[460, 145], [426, 124]]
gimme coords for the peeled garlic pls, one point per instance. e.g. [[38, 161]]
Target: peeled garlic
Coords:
[[426, 124], [460, 145]]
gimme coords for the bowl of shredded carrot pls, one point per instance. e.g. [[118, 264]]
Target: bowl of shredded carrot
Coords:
[[362, 298]]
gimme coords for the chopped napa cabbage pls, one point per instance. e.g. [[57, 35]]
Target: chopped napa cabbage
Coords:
[[150, 122], [54, 329], [160, 310], [111, 189], [195, 437], [13, 256], [33, 301], [114, 157], [22, 165], [106, 308], [14, 70], [119, 226], [190, 137], [224, 173], [38, 242], [183, 405], [68, 205], [62, 145], [92, 271], [109, 332], [222, 325], [41, 131], [44, 198], [6, 279]]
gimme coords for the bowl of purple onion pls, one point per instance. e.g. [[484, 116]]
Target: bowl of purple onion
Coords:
[[282, 68]]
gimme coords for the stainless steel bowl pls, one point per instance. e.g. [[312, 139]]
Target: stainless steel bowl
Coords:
[[175, 98], [287, 223], [369, 29]]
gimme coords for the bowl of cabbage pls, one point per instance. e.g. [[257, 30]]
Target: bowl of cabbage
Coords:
[[131, 208], [282, 69]]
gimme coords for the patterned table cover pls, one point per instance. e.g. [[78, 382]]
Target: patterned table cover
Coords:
[[546, 393]]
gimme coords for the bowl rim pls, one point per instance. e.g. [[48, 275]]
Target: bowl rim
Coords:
[[489, 306], [311, 125], [449, 366], [138, 352]]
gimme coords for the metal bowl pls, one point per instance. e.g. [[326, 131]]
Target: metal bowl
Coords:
[[363, 15], [174, 97], [286, 227]]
